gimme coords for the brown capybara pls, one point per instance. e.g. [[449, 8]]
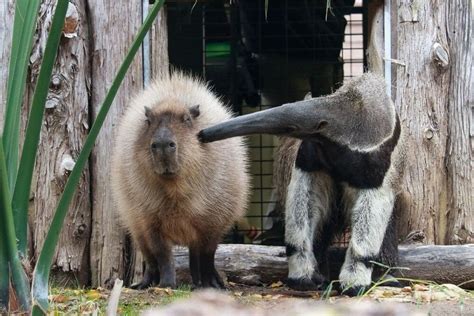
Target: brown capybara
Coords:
[[171, 189]]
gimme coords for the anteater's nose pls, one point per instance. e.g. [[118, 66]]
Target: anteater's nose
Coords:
[[165, 145]]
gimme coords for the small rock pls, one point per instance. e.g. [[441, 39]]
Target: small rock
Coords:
[[421, 287], [439, 296], [276, 284], [407, 289], [422, 296]]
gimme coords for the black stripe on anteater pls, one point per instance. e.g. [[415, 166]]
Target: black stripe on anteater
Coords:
[[290, 250], [362, 170]]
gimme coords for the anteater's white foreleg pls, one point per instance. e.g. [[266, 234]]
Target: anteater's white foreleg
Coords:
[[370, 217], [307, 204]]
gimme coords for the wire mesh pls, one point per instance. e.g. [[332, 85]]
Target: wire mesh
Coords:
[[257, 58]]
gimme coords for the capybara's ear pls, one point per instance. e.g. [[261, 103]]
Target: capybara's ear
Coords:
[[148, 112], [194, 110]]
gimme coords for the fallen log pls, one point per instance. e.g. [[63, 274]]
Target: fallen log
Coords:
[[257, 265]]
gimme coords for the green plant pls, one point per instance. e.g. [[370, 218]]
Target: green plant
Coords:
[[15, 182]]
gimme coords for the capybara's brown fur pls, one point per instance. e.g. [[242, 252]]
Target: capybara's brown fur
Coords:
[[171, 189]]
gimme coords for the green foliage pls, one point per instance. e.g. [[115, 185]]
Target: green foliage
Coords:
[[9, 246], [15, 188], [21, 192], [41, 273], [23, 30]]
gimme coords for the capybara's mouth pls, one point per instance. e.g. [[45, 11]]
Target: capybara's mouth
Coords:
[[168, 174]]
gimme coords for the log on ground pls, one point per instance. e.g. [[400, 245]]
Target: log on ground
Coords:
[[257, 265]]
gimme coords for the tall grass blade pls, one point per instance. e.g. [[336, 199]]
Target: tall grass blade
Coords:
[[18, 276], [24, 26], [4, 271], [21, 193], [42, 269]]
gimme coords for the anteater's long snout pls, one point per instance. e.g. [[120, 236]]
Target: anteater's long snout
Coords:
[[288, 119]]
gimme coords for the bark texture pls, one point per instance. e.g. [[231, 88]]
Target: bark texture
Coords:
[[460, 146], [66, 123], [375, 41], [113, 30], [434, 97]]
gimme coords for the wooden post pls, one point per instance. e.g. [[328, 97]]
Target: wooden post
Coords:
[[435, 99], [114, 26], [375, 42], [460, 146], [65, 126], [66, 123]]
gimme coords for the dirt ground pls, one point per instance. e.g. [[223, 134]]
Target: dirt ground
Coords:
[[275, 299], [435, 300]]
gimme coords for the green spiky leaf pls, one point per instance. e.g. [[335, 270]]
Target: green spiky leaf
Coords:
[[41, 273], [24, 27], [22, 189], [18, 276]]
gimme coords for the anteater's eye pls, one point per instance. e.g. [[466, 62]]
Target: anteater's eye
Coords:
[[147, 122]]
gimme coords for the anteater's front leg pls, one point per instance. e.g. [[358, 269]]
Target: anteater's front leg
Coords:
[[370, 217], [307, 206]]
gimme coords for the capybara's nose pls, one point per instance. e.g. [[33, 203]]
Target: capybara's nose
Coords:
[[164, 145]]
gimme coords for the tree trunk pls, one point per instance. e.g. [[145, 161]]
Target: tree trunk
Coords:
[[434, 97], [66, 123], [113, 29], [460, 146]]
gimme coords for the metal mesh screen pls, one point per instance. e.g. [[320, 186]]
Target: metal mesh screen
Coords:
[[258, 57]]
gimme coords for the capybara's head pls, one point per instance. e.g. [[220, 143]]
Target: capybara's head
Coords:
[[169, 129]]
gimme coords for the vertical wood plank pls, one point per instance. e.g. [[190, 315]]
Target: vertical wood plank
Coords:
[[422, 99], [460, 148], [159, 45], [434, 95], [375, 41], [66, 123], [114, 26]]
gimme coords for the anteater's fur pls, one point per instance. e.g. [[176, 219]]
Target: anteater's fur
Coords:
[[198, 205]]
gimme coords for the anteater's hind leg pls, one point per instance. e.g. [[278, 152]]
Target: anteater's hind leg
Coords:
[[388, 257], [370, 217], [151, 275], [307, 206], [205, 253]]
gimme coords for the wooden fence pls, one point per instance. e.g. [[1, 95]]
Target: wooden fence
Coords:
[[434, 92]]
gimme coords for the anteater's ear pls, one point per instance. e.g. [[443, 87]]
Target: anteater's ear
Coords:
[[321, 125], [194, 110]]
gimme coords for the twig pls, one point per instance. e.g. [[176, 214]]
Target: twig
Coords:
[[395, 61], [112, 305]]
